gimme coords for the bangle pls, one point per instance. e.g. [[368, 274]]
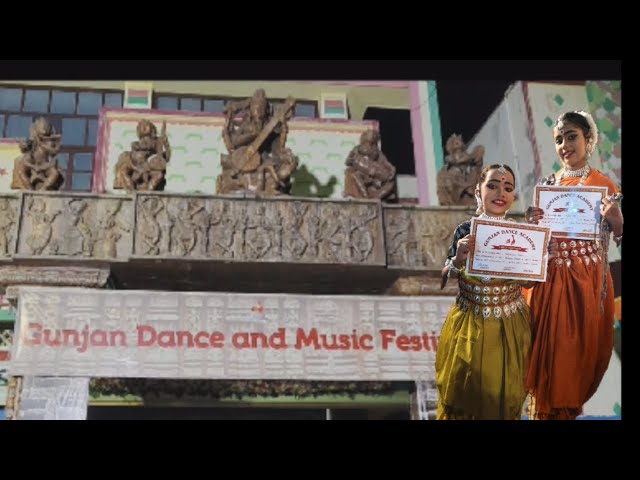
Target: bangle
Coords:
[[618, 239], [454, 269]]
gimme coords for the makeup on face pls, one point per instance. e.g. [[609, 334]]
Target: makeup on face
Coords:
[[498, 192], [571, 146]]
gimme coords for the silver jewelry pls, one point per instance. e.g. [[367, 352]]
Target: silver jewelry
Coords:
[[490, 217], [453, 268], [478, 203], [615, 198], [580, 172], [617, 239], [576, 173]]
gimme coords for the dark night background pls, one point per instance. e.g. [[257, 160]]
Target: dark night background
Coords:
[[464, 106]]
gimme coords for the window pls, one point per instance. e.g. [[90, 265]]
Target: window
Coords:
[[10, 99], [72, 112], [191, 103], [214, 106]]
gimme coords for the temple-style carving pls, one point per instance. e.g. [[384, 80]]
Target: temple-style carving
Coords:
[[8, 221], [75, 226], [78, 226], [37, 167], [369, 174], [255, 135], [418, 239], [144, 167], [296, 230], [458, 178]]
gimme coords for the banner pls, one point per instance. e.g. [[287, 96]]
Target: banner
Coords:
[[106, 333], [51, 398]]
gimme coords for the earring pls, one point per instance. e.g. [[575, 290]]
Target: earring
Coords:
[[589, 149], [479, 203]]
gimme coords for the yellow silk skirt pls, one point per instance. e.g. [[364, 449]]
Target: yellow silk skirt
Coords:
[[481, 363]]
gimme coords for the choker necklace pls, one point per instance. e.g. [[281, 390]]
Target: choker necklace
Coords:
[[581, 172], [490, 217]]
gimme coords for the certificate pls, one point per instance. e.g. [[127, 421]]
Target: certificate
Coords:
[[572, 212], [509, 250]]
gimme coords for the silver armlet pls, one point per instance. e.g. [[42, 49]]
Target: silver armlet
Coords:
[[453, 268]]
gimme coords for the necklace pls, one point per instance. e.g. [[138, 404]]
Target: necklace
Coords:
[[490, 217], [580, 172]]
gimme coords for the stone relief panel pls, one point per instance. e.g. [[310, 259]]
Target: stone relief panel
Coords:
[[158, 225], [76, 226], [419, 238], [8, 225], [264, 230]]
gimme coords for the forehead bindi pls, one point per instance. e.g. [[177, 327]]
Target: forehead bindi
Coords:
[[495, 176], [565, 128]]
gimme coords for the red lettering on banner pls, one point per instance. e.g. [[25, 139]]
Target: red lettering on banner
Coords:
[[68, 337], [148, 336], [118, 334], [166, 338], [216, 340], [304, 340], [150, 333], [240, 340], [35, 339], [333, 341], [99, 338], [278, 340], [199, 342], [185, 336], [387, 338], [365, 342], [406, 343]]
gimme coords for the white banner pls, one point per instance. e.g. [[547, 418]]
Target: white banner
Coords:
[[53, 398], [106, 333]]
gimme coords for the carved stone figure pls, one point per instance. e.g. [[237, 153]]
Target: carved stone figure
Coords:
[[144, 167], [37, 167], [255, 135], [369, 174], [78, 239], [109, 232], [7, 220], [458, 178], [42, 219]]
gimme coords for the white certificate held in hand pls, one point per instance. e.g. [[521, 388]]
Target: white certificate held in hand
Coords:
[[572, 212], [509, 250]]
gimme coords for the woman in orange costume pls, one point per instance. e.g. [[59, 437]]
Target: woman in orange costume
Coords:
[[572, 312]]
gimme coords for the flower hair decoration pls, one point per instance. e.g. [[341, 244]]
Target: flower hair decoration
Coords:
[[593, 129]]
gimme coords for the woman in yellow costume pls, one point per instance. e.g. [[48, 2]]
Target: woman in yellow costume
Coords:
[[485, 343]]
